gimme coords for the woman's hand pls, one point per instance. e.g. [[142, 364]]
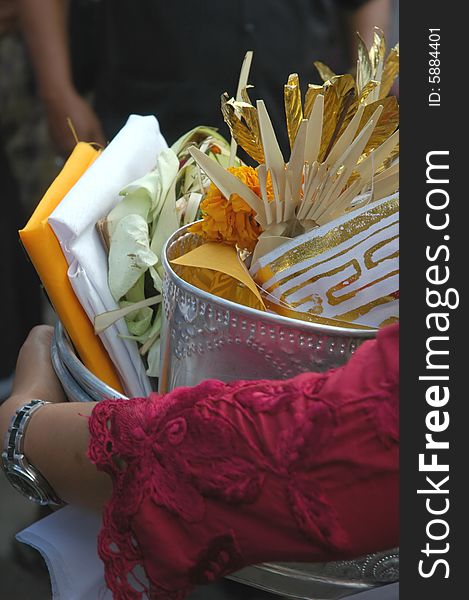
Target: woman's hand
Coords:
[[56, 440], [70, 105], [34, 376]]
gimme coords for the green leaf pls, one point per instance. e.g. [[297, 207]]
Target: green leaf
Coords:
[[139, 321], [167, 221], [167, 167], [105, 320], [196, 137], [140, 198], [129, 254]]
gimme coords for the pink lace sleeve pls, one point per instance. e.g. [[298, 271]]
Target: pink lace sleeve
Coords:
[[212, 478]]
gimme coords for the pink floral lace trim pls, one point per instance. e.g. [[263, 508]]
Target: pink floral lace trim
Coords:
[[186, 446]]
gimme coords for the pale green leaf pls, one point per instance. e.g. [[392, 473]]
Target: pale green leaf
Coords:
[[105, 320], [140, 198], [167, 222], [150, 334], [129, 255], [137, 291], [139, 321], [192, 207], [196, 137], [167, 167]]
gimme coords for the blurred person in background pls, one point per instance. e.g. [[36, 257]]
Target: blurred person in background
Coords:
[[26, 167], [175, 59], [23, 172]]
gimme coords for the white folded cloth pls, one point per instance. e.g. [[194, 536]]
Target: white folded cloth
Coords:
[[67, 540], [130, 155]]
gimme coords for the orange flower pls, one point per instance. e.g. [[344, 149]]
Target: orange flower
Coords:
[[231, 221]]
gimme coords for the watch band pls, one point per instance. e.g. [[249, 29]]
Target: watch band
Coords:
[[15, 434], [21, 474]]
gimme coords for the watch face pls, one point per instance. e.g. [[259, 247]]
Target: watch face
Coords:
[[22, 483]]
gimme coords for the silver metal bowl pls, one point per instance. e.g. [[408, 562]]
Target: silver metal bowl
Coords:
[[205, 337], [323, 581], [78, 382]]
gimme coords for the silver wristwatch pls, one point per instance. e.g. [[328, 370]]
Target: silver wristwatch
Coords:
[[19, 472]]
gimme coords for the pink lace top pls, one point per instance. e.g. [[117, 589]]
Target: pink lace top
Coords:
[[211, 478]]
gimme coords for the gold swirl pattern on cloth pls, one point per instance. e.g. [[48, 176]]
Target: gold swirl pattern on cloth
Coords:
[[347, 270]]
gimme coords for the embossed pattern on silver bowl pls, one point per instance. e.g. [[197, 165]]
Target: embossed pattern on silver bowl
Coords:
[[206, 337], [323, 581]]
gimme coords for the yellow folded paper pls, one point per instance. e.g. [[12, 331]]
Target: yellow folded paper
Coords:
[[229, 279], [46, 255]]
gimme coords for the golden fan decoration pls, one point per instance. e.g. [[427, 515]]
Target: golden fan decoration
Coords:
[[344, 143]]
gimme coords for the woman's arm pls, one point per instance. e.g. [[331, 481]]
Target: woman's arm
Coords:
[[63, 461], [57, 436]]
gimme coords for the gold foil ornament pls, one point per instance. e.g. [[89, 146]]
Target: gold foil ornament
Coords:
[[364, 66], [377, 52], [312, 93], [245, 133], [342, 170], [387, 124], [339, 102], [321, 180], [325, 73], [391, 70], [367, 90], [293, 107], [373, 65]]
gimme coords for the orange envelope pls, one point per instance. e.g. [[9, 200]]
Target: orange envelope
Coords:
[[47, 257]]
